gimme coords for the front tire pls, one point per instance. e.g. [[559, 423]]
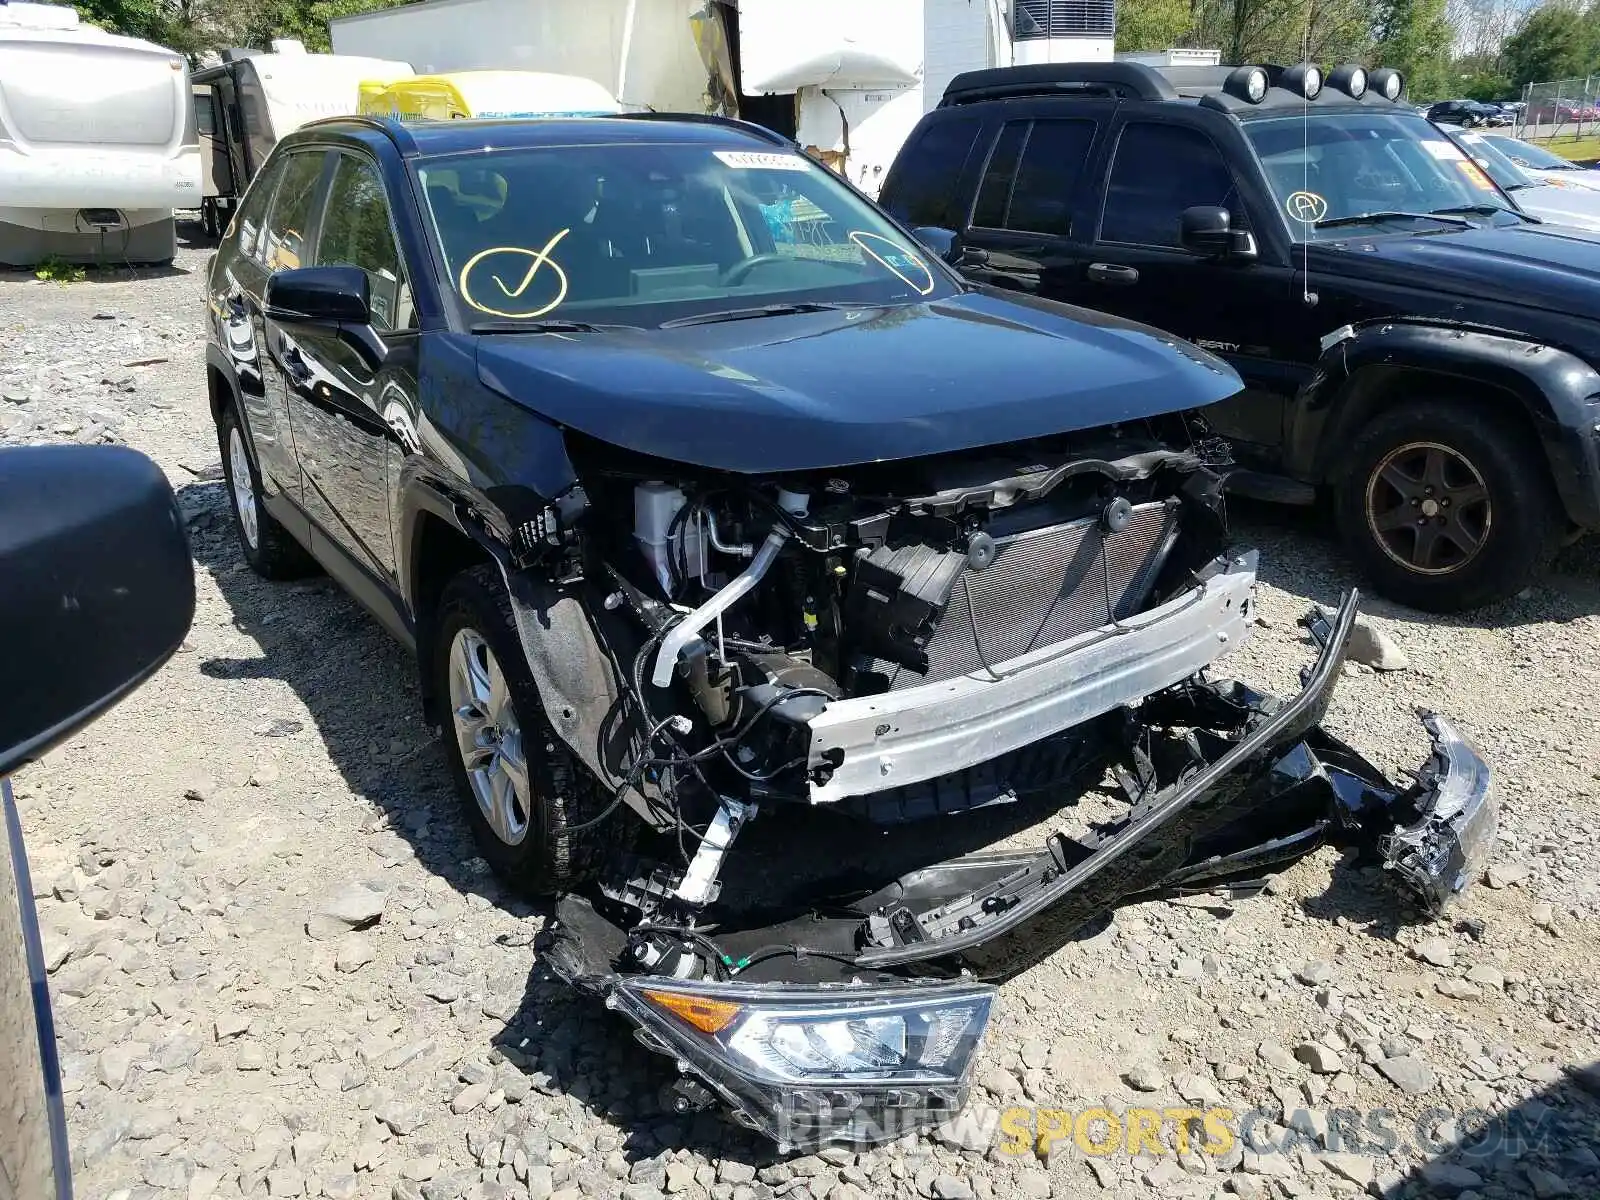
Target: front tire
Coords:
[[519, 783], [268, 547], [1447, 505]]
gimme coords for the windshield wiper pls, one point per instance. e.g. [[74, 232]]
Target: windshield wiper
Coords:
[[765, 310], [1487, 210], [1361, 218], [543, 327]]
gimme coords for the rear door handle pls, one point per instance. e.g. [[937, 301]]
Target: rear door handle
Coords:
[[1113, 273]]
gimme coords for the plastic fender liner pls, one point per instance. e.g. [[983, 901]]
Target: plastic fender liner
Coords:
[[577, 678], [1292, 720]]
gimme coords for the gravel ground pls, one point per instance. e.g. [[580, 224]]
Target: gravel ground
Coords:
[[205, 852]]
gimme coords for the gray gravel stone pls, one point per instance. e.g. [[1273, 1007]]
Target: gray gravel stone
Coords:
[[1408, 1073]]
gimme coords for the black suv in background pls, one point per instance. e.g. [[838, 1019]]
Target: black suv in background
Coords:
[[1412, 345]]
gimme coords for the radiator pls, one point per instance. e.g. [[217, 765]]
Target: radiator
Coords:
[[1043, 587]]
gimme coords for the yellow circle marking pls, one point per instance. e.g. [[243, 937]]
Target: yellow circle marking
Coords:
[[865, 240], [1306, 207], [538, 258]]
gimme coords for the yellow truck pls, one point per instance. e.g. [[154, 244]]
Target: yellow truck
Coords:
[[485, 94]]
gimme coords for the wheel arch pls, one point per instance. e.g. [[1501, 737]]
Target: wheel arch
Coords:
[[1548, 393], [438, 547]]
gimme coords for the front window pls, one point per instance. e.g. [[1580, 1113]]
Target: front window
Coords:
[[1372, 172], [641, 234]]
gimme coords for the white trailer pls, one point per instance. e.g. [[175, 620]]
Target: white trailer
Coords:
[[253, 98], [97, 142], [847, 79]]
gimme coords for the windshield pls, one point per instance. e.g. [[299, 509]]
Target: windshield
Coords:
[[1526, 154], [1338, 167], [1488, 156], [644, 233]]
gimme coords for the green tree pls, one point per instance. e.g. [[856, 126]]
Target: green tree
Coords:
[[1152, 24], [1557, 41], [1414, 37]]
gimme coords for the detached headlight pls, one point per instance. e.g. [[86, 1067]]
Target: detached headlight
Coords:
[[808, 1065]]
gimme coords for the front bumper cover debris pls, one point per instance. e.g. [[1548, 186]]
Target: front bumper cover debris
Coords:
[[1225, 785]]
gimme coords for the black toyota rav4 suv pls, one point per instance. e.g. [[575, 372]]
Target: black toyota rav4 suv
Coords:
[[703, 494], [1413, 347]]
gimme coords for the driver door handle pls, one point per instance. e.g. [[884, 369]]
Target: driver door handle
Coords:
[[1114, 274]]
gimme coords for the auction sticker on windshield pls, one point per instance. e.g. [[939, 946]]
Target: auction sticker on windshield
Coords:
[[1448, 151], [750, 160]]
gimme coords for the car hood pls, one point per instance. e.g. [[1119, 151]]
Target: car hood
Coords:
[[1550, 267], [1586, 180], [831, 389], [1559, 203]]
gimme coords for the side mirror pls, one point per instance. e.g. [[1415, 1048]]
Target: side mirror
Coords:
[[338, 299], [320, 295], [948, 246], [97, 591], [1207, 229], [95, 585]]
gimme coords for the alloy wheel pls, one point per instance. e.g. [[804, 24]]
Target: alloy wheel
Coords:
[[244, 492], [489, 737], [1428, 507]]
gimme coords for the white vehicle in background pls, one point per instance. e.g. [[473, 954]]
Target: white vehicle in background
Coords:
[[97, 142], [1542, 164], [1557, 202], [845, 79], [253, 98]]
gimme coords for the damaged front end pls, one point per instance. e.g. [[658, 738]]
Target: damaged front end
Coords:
[[862, 718]]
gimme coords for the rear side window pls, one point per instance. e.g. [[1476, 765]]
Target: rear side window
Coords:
[[1159, 171], [1035, 195], [284, 242], [922, 190], [253, 209]]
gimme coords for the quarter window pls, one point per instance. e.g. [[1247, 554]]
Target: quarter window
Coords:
[[356, 232], [1159, 171]]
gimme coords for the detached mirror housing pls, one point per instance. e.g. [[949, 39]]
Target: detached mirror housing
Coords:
[[96, 586], [948, 246], [1207, 229], [335, 299]]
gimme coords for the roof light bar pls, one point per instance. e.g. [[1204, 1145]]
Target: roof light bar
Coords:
[[1351, 80], [1303, 80], [1388, 84], [1247, 83]]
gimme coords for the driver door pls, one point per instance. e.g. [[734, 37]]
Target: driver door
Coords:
[[1137, 268]]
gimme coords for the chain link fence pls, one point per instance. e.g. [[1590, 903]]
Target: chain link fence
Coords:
[[1562, 108]]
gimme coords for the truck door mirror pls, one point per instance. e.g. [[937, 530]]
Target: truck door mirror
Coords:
[[1207, 229], [948, 246]]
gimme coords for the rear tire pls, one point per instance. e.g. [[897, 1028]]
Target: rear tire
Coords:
[[268, 547], [524, 785], [1447, 505]]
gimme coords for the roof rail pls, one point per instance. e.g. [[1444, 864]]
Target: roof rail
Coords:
[[761, 131], [1125, 80], [392, 127]]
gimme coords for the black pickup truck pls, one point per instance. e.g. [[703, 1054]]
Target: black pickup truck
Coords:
[[1416, 350]]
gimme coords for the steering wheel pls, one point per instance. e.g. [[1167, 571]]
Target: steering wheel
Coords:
[[735, 274]]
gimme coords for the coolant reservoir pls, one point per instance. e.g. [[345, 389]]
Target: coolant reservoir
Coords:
[[654, 506]]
